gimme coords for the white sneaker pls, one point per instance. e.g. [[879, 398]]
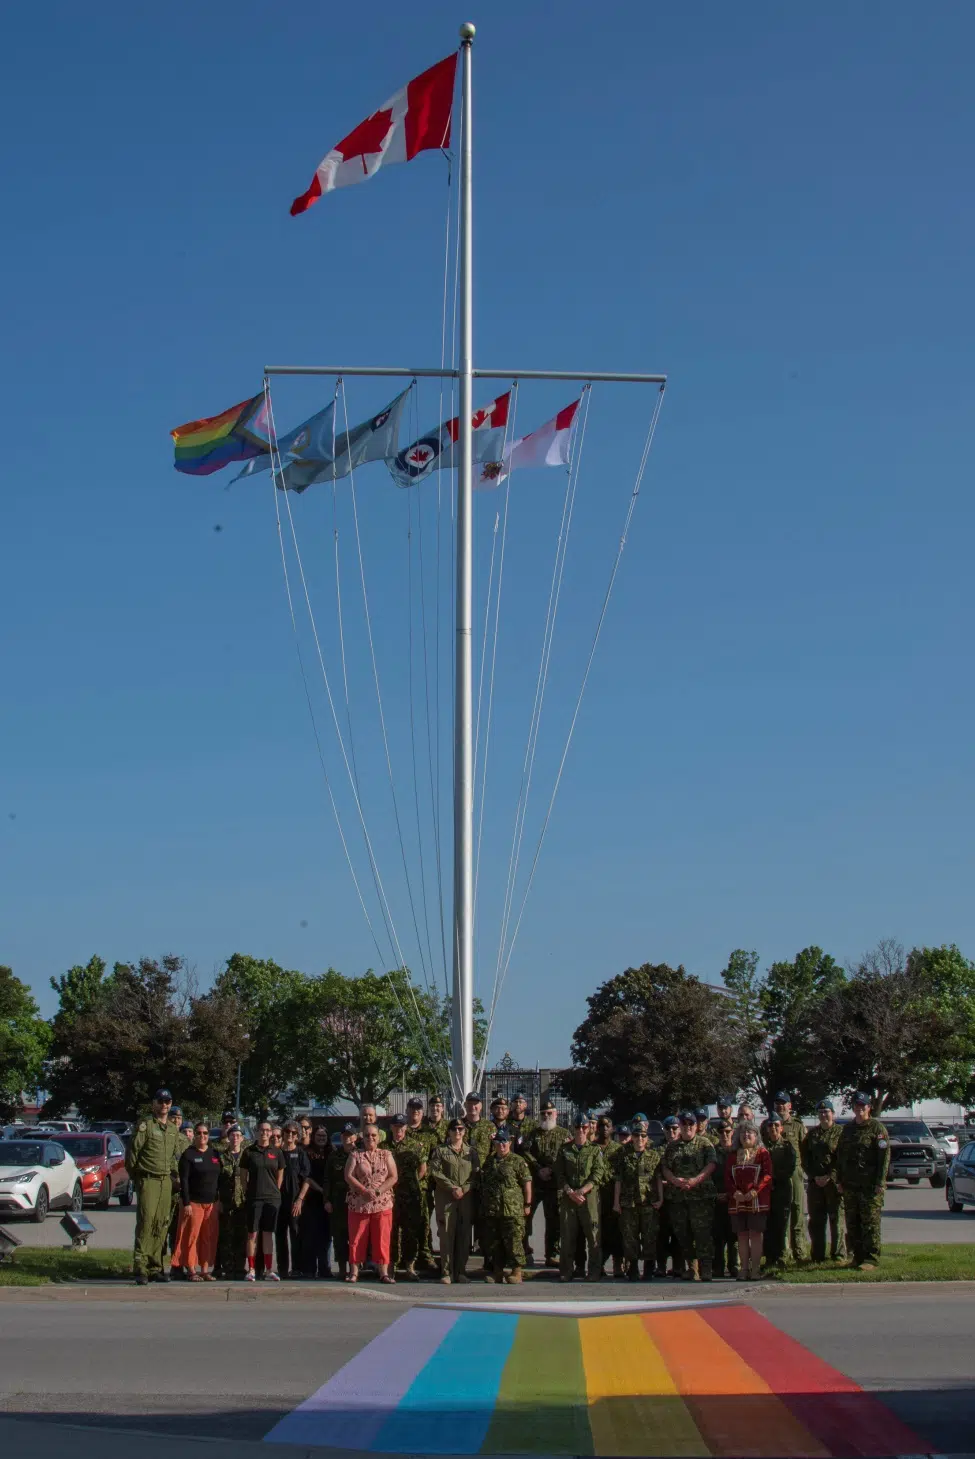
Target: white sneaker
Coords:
[[271, 1277], [249, 1276]]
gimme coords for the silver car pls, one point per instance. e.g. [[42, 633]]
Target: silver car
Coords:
[[947, 1138], [960, 1186]]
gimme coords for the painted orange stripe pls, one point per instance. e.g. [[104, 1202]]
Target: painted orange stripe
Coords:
[[735, 1409], [634, 1405]]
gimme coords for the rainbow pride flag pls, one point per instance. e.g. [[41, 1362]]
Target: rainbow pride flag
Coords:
[[237, 434], [702, 1380]]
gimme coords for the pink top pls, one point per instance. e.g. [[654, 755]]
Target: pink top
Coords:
[[370, 1168]]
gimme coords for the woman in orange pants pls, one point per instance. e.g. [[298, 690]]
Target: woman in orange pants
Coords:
[[370, 1174], [199, 1171]]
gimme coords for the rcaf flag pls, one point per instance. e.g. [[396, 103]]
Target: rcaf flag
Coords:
[[438, 447], [414, 120]]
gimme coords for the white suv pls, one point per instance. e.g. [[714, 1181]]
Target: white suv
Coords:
[[37, 1176]]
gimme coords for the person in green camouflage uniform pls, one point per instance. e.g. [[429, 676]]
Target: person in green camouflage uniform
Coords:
[[818, 1156], [506, 1195], [454, 1171], [785, 1162], [726, 1111], [725, 1240], [637, 1198], [435, 1124], [688, 1165], [794, 1131], [667, 1243], [520, 1123], [862, 1158], [544, 1144], [151, 1163], [409, 1198], [426, 1142], [610, 1236], [336, 1194], [578, 1177], [478, 1134], [232, 1193]]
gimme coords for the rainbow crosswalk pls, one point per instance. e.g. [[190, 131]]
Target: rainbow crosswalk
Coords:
[[698, 1380]]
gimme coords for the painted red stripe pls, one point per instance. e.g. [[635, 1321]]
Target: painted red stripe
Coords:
[[429, 101], [850, 1422]]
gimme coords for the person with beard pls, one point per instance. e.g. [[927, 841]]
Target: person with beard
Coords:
[[519, 1122], [314, 1226], [294, 1188], [544, 1144]]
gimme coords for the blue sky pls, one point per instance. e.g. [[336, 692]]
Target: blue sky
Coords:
[[772, 205]]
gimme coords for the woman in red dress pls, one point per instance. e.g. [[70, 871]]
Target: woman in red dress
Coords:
[[748, 1182]]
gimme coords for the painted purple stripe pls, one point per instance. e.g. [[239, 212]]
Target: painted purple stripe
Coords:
[[349, 1410]]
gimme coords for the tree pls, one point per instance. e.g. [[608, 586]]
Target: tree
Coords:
[[278, 1040], [776, 1014], [24, 1040], [944, 984], [78, 991], [655, 1038]]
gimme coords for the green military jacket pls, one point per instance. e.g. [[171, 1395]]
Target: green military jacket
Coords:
[[502, 1186], [638, 1172], [520, 1132], [409, 1156], [154, 1149], [721, 1158], [611, 1152], [436, 1128], [479, 1136], [231, 1182], [686, 1159], [576, 1166], [543, 1147], [454, 1169], [336, 1191], [818, 1153], [785, 1163], [793, 1130], [423, 1140], [863, 1155]]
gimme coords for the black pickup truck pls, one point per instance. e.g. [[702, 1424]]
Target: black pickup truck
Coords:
[[915, 1154]]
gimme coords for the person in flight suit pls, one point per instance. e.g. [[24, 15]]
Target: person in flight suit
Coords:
[[578, 1175], [454, 1169], [862, 1158], [818, 1156], [794, 1131], [152, 1164]]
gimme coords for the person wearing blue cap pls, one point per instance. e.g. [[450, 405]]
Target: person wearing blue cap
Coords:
[[610, 1234], [793, 1132], [667, 1243], [818, 1156], [688, 1166], [506, 1197], [637, 1198], [862, 1158], [578, 1177], [151, 1162]]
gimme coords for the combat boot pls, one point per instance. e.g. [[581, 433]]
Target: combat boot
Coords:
[[705, 1270], [617, 1267], [691, 1274], [410, 1272], [514, 1276], [498, 1273], [633, 1275], [650, 1271]]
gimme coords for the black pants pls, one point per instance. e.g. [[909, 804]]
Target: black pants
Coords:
[[315, 1237], [286, 1241]]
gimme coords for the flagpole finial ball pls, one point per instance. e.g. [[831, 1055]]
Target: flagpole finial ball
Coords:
[[467, 31]]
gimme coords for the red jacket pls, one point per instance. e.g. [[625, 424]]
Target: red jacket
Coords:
[[753, 1174]]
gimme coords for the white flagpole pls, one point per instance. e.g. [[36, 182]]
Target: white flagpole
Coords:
[[462, 1010]]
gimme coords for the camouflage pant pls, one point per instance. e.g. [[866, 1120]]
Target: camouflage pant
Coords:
[[692, 1221], [725, 1242], [454, 1234], [547, 1197], [638, 1230], [504, 1242], [154, 1194], [232, 1243], [574, 1220], [824, 1205], [610, 1235], [777, 1226], [409, 1214], [667, 1244], [863, 1209]]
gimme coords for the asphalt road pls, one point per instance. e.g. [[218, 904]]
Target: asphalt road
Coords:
[[912, 1214], [210, 1364]]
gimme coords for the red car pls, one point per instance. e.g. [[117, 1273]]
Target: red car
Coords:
[[100, 1157]]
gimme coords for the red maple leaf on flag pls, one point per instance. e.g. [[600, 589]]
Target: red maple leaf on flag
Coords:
[[367, 138]]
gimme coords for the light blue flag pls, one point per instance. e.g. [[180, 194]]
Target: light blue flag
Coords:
[[312, 441], [376, 439]]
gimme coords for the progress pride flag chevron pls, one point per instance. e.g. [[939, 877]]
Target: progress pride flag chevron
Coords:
[[416, 119]]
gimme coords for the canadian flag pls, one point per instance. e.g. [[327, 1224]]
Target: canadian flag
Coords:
[[414, 120], [438, 448], [550, 445]]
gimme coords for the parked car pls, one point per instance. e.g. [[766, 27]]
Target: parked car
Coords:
[[915, 1154], [59, 1126], [947, 1138], [37, 1176], [100, 1156], [112, 1127], [960, 1185]]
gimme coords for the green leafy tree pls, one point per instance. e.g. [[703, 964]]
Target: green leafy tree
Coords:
[[78, 991], [24, 1041], [277, 1040], [655, 1038], [944, 982]]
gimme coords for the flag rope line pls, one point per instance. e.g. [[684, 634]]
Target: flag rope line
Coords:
[[387, 913], [379, 701], [541, 683], [641, 470]]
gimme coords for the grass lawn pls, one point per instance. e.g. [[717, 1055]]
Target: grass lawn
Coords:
[[922, 1263], [36, 1266]]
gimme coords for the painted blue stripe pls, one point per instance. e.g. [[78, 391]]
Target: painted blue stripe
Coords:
[[448, 1407]]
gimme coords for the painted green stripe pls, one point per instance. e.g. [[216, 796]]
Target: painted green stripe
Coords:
[[542, 1406]]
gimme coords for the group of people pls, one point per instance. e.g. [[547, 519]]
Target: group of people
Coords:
[[716, 1197]]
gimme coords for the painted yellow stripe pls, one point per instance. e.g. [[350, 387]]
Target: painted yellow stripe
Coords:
[[634, 1405]]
